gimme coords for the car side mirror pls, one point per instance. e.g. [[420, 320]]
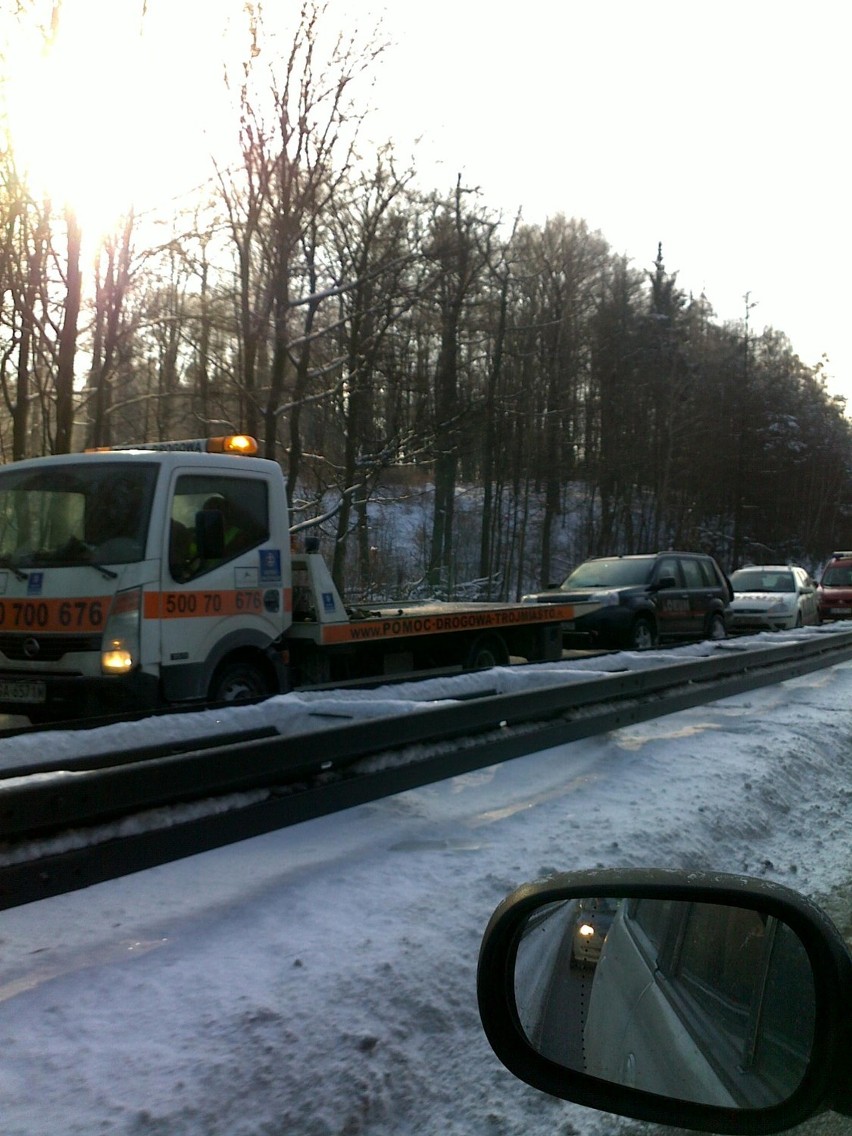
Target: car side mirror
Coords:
[[665, 582], [702, 1000]]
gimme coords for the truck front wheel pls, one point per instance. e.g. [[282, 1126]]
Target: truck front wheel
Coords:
[[240, 680]]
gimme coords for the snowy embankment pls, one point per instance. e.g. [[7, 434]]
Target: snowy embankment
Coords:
[[319, 981]]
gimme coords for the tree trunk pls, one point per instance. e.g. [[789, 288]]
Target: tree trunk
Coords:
[[68, 340]]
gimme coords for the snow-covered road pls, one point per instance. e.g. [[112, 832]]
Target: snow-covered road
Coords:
[[319, 981]]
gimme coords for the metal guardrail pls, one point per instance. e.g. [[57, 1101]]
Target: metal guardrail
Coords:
[[292, 779]]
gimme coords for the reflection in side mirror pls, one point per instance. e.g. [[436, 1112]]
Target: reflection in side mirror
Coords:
[[702, 1000], [605, 985]]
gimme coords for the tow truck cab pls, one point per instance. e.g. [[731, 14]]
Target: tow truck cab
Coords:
[[134, 577]]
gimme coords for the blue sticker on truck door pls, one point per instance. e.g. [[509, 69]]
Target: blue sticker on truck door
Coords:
[[270, 565]]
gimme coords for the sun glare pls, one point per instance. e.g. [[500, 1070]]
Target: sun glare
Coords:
[[118, 110]]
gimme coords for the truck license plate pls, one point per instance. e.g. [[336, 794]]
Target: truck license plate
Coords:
[[12, 690], [840, 611]]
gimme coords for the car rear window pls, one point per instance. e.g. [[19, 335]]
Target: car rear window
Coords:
[[838, 576], [753, 580]]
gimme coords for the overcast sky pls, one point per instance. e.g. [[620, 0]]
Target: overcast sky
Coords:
[[718, 129]]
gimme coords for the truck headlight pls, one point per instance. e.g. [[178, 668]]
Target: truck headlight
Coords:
[[120, 643]]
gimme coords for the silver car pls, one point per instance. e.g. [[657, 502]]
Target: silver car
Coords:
[[773, 597]]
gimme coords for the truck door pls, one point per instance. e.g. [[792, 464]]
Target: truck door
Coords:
[[221, 586]]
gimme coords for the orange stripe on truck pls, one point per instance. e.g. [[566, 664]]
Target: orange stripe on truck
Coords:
[[208, 604], [434, 623]]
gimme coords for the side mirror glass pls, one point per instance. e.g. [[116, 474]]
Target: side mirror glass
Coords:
[[708, 1003]]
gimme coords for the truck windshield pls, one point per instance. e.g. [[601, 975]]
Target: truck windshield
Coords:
[[64, 515]]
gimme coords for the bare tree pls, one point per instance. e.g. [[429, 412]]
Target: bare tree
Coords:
[[24, 255], [298, 129], [460, 249], [373, 258], [113, 275]]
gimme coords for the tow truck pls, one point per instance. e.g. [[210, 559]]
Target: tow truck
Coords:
[[164, 575]]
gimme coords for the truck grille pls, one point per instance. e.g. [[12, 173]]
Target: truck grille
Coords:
[[49, 648]]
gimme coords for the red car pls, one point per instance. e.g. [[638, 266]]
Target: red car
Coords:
[[834, 595]]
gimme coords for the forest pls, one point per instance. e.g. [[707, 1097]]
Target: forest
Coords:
[[392, 343]]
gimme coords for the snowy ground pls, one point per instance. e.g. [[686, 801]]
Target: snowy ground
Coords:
[[319, 981]]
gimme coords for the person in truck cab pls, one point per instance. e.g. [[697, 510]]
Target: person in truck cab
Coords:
[[240, 528], [233, 538], [186, 558]]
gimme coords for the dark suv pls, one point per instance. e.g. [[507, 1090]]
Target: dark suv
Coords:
[[637, 601]]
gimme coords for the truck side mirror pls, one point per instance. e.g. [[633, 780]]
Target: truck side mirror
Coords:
[[701, 1000]]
